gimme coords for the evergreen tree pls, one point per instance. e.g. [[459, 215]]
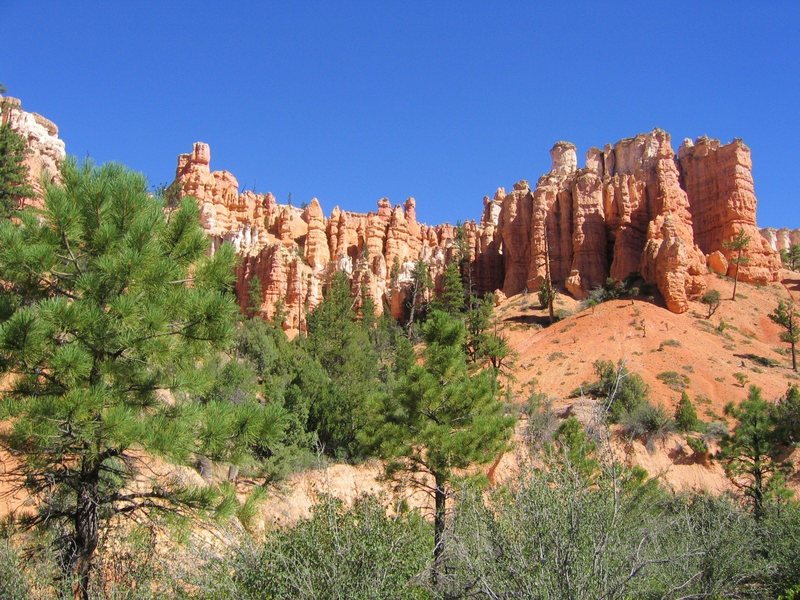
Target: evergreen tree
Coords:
[[439, 419], [13, 171], [685, 414], [255, 296], [739, 244], [342, 345], [547, 297], [420, 286], [451, 297], [787, 317], [105, 303], [749, 453], [791, 257], [786, 416]]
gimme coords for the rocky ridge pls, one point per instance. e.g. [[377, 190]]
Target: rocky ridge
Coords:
[[634, 207]]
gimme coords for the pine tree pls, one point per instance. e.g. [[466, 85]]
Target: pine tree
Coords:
[[787, 317], [439, 419], [739, 244], [13, 171], [341, 343], [451, 297], [791, 257], [749, 453], [105, 303]]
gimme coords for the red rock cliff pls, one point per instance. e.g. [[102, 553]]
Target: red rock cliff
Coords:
[[634, 208], [294, 251], [46, 149]]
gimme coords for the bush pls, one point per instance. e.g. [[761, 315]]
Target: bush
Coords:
[[698, 446], [648, 422], [716, 430], [12, 582], [670, 343], [674, 380], [340, 552], [622, 390], [741, 378], [712, 300], [542, 421]]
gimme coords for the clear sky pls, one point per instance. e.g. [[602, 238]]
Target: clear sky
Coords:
[[444, 101]]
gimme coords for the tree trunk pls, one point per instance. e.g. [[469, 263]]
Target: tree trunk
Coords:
[[736, 277], [794, 358], [438, 528], [86, 537]]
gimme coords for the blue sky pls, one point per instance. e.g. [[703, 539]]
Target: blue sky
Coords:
[[445, 101]]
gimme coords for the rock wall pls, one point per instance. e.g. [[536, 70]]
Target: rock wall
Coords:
[[781, 239], [46, 149], [294, 251], [719, 181], [623, 213], [634, 208]]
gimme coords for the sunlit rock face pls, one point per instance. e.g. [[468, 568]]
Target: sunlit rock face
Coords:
[[295, 251], [46, 150], [625, 212], [634, 208], [781, 239], [719, 181]]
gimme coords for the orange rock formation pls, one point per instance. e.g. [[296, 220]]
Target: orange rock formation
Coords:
[[635, 208], [46, 149]]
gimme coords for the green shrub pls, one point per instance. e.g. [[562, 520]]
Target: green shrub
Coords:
[[621, 390], [12, 582], [648, 422], [674, 380], [712, 300], [685, 414], [698, 446], [542, 421], [741, 378], [340, 552], [670, 343]]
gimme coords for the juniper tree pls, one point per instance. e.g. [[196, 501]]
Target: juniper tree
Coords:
[[787, 317], [685, 414], [739, 244], [439, 419], [106, 304]]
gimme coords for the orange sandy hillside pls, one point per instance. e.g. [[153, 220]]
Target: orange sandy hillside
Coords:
[[556, 359], [652, 341]]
